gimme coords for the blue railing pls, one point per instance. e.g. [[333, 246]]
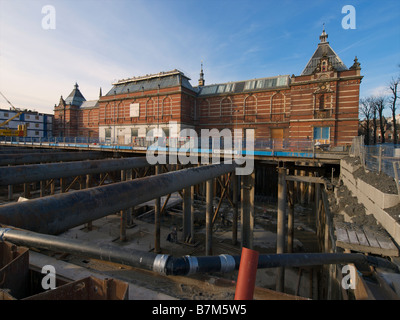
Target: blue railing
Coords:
[[258, 147]]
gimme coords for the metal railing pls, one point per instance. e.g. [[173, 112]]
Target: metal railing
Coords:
[[304, 148], [377, 158]]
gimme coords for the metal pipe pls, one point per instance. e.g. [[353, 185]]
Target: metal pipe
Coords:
[[169, 265], [16, 159], [246, 280], [36, 172], [61, 212]]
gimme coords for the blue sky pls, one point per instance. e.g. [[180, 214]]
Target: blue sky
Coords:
[[96, 42]]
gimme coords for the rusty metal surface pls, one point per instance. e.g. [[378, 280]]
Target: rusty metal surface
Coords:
[[89, 288], [14, 269]]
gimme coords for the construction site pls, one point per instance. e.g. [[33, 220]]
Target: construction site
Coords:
[[112, 226], [287, 209]]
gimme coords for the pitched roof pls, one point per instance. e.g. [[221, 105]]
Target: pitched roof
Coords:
[[324, 49], [75, 98], [151, 82], [89, 104]]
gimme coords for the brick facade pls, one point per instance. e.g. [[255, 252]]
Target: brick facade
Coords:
[[321, 104]]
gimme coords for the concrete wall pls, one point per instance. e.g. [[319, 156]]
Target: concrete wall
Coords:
[[374, 200]]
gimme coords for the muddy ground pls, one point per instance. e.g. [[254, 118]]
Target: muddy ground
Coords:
[[212, 286]]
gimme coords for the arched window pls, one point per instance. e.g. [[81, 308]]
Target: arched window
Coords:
[[250, 105]]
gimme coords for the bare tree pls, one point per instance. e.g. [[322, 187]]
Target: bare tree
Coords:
[[374, 118], [366, 112], [380, 107], [392, 100]]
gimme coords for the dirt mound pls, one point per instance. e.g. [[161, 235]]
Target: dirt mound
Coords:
[[380, 181], [347, 208]]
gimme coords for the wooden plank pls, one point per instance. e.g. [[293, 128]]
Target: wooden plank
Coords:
[[371, 238], [387, 245], [305, 179], [352, 237], [362, 239], [341, 235]]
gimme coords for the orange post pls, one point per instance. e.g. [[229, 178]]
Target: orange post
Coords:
[[247, 275]]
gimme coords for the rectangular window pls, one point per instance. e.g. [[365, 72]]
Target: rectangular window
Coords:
[[221, 89], [36, 125], [321, 133], [166, 132], [249, 85], [134, 132], [108, 133], [149, 132], [230, 87], [260, 84]]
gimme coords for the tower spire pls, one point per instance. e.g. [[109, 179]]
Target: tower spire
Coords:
[[201, 80], [323, 35]]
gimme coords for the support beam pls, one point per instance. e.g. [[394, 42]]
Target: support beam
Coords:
[[59, 213], [280, 237], [157, 217], [235, 208], [187, 215], [290, 185], [209, 213], [122, 233], [309, 179], [247, 207]]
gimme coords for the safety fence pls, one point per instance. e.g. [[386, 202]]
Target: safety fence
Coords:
[[216, 145], [378, 158]]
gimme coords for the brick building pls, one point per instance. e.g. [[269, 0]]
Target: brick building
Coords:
[[320, 104], [76, 117]]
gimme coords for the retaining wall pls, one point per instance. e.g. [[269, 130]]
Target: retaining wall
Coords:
[[374, 200]]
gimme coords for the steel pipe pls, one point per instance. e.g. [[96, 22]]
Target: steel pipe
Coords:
[[38, 172], [61, 212], [169, 265], [16, 159]]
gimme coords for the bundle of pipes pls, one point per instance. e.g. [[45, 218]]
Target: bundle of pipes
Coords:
[[59, 213], [15, 159], [169, 265], [38, 172]]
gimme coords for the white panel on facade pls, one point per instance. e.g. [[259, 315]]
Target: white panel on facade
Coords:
[[134, 110]]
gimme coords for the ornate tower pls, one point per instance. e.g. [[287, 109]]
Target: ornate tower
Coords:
[[201, 80]]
